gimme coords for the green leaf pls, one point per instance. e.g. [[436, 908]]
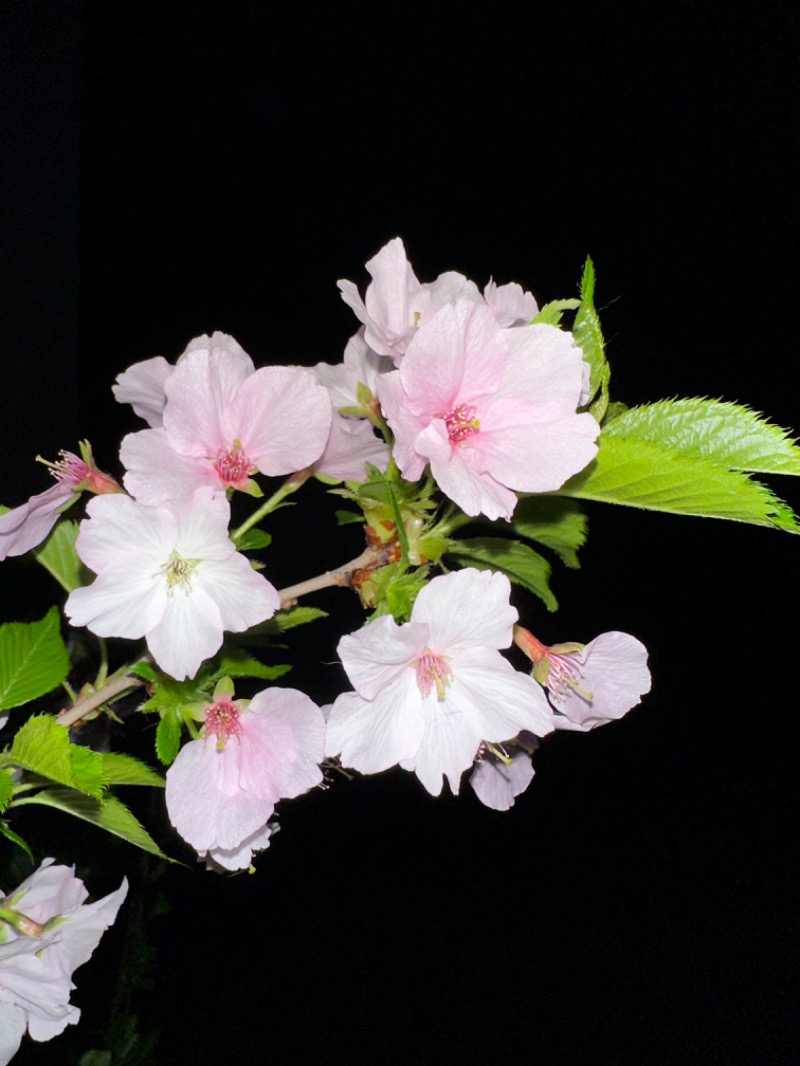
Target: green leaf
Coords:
[[33, 660], [253, 538], [557, 523], [518, 562], [348, 518], [144, 670], [15, 838], [109, 814], [639, 473], [247, 666], [171, 695], [297, 616], [168, 737], [59, 557], [6, 788], [120, 769], [589, 337], [552, 312], [43, 747], [726, 433]]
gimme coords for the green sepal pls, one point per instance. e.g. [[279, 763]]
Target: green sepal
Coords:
[[725, 433], [6, 788], [252, 539], [589, 337], [348, 518], [109, 814], [559, 524], [351, 412], [120, 769], [168, 736], [552, 312], [59, 557], [363, 394], [641, 473], [517, 561], [33, 659], [43, 747], [15, 838]]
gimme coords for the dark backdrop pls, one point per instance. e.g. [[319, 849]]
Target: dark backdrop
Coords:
[[179, 168]]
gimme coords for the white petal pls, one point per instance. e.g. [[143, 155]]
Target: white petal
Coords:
[[378, 654], [465, 608], [372, 735], [189, 632]]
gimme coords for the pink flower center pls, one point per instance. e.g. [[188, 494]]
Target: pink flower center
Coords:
[[565, 673], [433, 670], [70, 469], [232, 464], [461, 422], [222, 719]]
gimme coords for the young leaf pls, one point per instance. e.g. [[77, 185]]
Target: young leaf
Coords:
[[348, 518], [589, 337], [33, 660], [168, 737], [638, 473], [296, 616], [726, 433], [557, 523], [247, 666], [58, 556], [518, 562], [120, 769], [253, 538], [109, 814], [552, 312], [15, 838], [43, 747], [6, 788]]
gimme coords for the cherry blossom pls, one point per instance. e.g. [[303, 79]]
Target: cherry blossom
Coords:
[[48, 930], [224, 421], [430, 691], [169, 574], [351, 444], [589, 685], [492, 410], [223, 787], [360, 366], [28, 525]]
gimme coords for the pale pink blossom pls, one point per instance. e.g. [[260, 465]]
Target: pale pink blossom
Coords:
[[589, 685], [223, 787], [396, 303], [223, 422], [351, 444], [142, 384], [496, 782], [492, 410], [510, 304], [428, 692], [49, 931], [27, 526], [360, 366], [169, 574]]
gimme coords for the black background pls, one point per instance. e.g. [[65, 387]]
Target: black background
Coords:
[[179, 168]]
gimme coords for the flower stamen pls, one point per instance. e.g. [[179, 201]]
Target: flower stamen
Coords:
[[222, 719], [178, 571], [232, 464], [461, 422], [433, 670]]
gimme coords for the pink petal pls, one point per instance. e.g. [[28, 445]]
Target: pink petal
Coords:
[[496, 784]]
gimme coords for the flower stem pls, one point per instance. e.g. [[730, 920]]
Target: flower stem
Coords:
[[113, 688], [290, 485], [370, 557]]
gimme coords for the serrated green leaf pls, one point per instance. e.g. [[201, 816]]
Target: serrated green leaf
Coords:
[[518, 562], [33, 660], [639, 473], [296, 616], [247, 666], [557, 523], [552, 313], [252, 539], [43, 747], [6, 788], [144, 670], [171, 695], [589, 337], [348, 518], [725, 433], [109, 814], [168, 737], [15, 838], [58, 556], [395, 590], [120, 769]]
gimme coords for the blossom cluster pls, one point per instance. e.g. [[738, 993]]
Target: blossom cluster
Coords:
[[443, 389]]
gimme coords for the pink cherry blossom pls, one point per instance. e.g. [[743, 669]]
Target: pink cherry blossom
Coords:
[[360, 366], [351, 444], [49, 932], [492, 410], [224, 421], [510, 304], [222, 788], [27, 526], [396, 303], [589, 685], [430, 691], [497, 782], [169, 574]]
